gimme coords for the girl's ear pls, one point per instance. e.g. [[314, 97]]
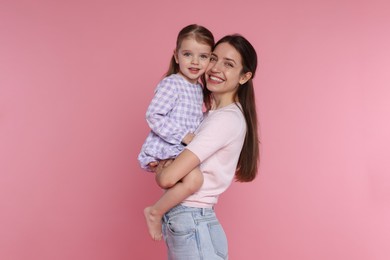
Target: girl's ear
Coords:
[[176, 57], [245, 77]]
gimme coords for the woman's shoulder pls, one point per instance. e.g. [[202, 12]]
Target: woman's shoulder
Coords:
[[233, 109], [231, 114], [227, 123]]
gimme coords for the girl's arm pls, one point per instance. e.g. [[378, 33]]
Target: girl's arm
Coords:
[[164, 100], [174, 172]]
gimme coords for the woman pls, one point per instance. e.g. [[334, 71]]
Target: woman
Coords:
[[225, 146]]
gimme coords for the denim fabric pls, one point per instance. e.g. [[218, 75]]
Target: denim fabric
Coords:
[[194, 234]]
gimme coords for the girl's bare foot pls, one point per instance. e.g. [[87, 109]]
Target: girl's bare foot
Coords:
[[153, 221]]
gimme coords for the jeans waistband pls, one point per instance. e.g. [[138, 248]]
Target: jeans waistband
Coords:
[[181, 208]]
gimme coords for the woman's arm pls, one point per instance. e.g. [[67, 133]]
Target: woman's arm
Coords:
[[174, 172]]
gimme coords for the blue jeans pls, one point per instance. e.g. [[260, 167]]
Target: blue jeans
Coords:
[[194, 234]]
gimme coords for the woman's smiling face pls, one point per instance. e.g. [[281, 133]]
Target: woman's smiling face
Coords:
[[224, 73]]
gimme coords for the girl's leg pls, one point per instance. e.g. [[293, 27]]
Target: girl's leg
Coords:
[[173, 196]]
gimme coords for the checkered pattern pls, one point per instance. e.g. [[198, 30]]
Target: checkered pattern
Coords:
[[175, 110]]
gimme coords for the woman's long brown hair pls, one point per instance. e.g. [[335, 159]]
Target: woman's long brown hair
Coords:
[[247, 166]]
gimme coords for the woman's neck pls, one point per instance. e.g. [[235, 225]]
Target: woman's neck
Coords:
[[220, 102]]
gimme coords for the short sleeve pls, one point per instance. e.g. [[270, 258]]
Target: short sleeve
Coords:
[[217, 131]]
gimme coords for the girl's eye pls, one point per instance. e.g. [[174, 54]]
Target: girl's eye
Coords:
[[204, 57], [186, 54]]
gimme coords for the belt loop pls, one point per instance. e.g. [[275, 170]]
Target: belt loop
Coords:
[[203, 211]]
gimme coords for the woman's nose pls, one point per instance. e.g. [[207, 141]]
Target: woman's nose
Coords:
[[214, 67]]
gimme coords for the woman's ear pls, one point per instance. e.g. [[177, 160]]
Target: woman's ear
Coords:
[[245, 77]]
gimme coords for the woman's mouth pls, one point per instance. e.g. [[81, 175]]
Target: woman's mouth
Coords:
[[215, 79]]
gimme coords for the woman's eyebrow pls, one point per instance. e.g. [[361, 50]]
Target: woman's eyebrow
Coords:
[[228, 59]]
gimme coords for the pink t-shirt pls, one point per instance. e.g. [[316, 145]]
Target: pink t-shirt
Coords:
[[218, 145]]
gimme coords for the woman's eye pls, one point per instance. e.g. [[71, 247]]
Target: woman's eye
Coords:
[[228, 64], [212, 58]]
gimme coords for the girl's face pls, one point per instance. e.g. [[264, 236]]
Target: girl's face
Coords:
[[224, 73], [193, 58]]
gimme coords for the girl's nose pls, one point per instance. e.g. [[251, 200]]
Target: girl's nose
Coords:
[[195, 60]]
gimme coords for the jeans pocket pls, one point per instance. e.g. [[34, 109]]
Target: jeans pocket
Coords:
[[181, 224], [218, 238], [180, 236]]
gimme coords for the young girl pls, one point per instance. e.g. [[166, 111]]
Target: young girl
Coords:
[[173, 116]]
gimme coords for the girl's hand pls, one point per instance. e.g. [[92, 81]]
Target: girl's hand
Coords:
[[157, 167], [188, 138]]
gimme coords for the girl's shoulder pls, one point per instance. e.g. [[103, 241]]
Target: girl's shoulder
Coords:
[[178, 79], [177, 83], [172, 77], [169, 82]]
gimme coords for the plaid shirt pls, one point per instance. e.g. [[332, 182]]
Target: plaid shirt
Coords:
[[175, 110]]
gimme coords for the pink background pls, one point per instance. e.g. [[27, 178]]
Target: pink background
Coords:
[[75, 81]]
